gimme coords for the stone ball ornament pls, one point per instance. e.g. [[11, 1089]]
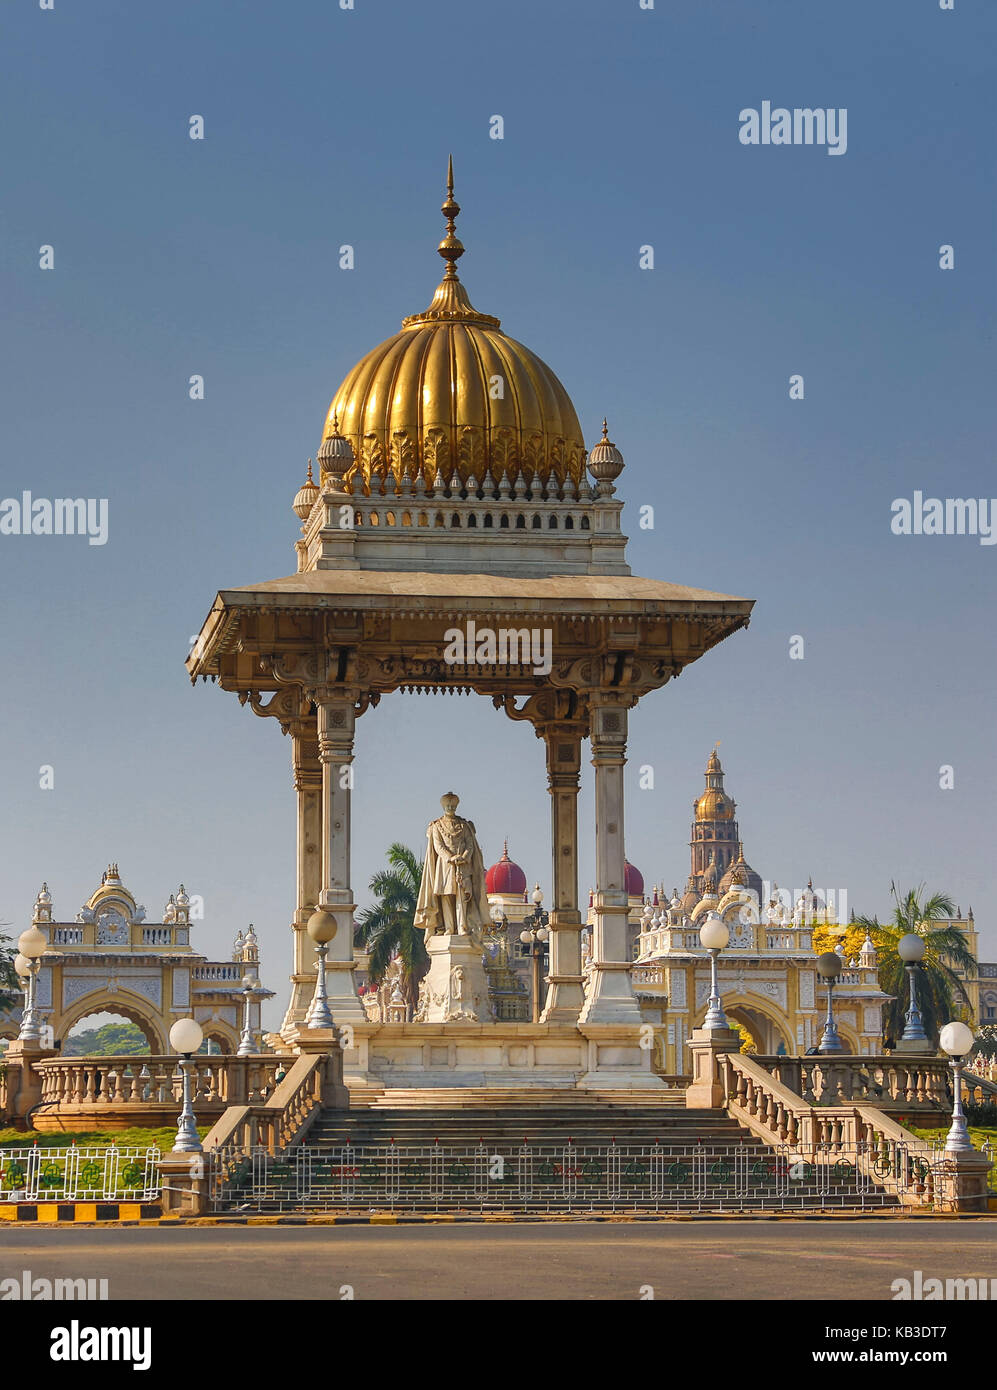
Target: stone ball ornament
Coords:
[[322, 927]]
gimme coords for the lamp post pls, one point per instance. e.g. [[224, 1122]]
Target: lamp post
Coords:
[[31, 945], [321, 928], [714, 934], [911, 950], [534, 935], [957, 1040], [186, 1036], [829, 968], [247, 1046]]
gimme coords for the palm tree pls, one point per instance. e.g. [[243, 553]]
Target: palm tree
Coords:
[[388, 928], [940, 992]]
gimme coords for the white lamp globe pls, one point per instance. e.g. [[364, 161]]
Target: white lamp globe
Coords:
[[525, 937], [542, 933], [322, 927], [911, 948], [956, 1039], [186, 1036], [829, 965], [21, 965], [714, 933], [32, 943], [537, 895]]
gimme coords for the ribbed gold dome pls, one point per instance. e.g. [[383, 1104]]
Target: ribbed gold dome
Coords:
[[714, 805], [451, 392]]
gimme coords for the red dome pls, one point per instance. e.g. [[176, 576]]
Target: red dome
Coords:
[[505, 876], [634, 881]]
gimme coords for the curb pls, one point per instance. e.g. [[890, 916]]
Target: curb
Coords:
[[150, 1214], [79, 1213]]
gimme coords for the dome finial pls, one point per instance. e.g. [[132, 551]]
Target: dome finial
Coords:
[[450, 248], [605, 428]]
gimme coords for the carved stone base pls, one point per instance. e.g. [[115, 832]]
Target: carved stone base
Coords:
[[455, 989], [706, 1090]]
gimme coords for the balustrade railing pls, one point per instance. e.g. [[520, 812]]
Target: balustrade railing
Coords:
[[978, 1088], [78, 1085], [67, 936], [891, 1082], [885, 1152], [285, 1115], [233, 971]]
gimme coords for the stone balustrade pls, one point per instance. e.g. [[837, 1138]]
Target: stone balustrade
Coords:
[[83, 936], [885, 1152], [225, 972], [979, 1087], [118, 1092], [890, 1083], [314, 1082]]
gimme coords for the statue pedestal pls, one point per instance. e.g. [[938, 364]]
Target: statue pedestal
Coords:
[[455, 989]]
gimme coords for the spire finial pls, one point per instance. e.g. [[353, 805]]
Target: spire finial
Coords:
[[450, 248], [310, 478], [605, 428]]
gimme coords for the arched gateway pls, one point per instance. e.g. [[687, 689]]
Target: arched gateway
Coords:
[[459, 539]]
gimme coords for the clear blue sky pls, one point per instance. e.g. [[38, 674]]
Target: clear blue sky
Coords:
[[621, 129]]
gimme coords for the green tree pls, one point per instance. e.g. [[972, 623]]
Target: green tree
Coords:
[[388, 928], [10, 985], [124, 1039], [940, 992], [986, 1042]]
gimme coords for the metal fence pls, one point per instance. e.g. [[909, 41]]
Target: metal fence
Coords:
[[99, 1174], [580, 1178]]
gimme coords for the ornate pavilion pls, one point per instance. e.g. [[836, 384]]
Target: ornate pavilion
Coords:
[[455, 491]]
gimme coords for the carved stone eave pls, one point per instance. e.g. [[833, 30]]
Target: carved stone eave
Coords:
[[622, 635]]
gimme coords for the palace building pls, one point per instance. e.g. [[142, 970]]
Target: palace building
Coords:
[[109, 959]]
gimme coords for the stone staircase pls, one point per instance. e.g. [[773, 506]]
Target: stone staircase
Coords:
[[508, 1120]]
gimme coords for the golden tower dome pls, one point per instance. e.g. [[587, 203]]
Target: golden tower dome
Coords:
[[452, 393], [714, 803]]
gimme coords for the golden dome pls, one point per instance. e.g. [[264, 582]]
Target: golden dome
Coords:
[[714, 805], [452, 392]]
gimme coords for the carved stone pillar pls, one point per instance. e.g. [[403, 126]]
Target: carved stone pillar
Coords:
[[336, 723], [564, 752], [308, 787], [611, 997]]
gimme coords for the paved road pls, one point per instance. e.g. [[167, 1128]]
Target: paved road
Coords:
[[679, 1260]]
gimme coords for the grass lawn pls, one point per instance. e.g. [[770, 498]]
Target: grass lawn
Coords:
[[124, 1138], [978, 1136]]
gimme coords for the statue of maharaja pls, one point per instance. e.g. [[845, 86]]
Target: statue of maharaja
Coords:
[[452, 895]]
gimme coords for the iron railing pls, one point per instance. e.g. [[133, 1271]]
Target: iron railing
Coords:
[[561, 1178], [91, 1174]]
